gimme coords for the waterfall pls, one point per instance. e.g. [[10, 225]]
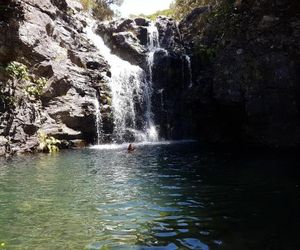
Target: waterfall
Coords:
[[153, 46], [129, 86], [162, 104], [98, 121], [188, 60]]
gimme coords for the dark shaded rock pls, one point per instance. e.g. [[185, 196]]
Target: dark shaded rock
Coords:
[[30, 129], [193, 15], [248, 91], [124, 25], [169, 36], [93, 65], [142, 35], [139, 21], [170, 81]]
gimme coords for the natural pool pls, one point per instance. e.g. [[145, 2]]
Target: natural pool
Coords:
[[168, 196]]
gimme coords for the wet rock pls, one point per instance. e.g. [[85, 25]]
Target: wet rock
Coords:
[[169, 36], [124, 25], [141, 21], [125, 39], [142, 35], [128, 47]]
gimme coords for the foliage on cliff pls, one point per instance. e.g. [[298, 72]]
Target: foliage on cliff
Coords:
[[179, 9], [48, 143], [101, 9], [168, 12], [252, 72]]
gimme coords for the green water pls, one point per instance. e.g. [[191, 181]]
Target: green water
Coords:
[[179, 196]]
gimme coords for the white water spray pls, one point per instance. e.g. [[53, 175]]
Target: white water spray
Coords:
[[128, 85], [98, 121], [188, 60], [153, 46]]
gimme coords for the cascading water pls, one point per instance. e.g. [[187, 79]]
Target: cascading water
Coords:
[[153, 46], [98, 121], [188, 61], [128, 84]]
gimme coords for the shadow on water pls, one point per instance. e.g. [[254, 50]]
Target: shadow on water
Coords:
[[176, 196]]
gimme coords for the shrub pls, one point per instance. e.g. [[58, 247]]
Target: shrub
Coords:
[[48, 143], [167, 12], [35, 89], [6, 101], [100, 8], [204, 52], [17, 70], [87, 4]]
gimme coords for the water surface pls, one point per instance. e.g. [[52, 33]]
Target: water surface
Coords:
[[177, 196]]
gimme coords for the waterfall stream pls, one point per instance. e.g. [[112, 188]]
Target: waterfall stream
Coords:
[[129, 87], [189, 64], [98, 121]]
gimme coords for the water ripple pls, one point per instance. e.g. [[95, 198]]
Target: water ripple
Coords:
[[160, 197]]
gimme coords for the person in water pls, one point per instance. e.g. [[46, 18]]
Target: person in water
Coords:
[[130, 148]]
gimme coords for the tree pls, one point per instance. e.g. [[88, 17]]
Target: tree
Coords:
[[101, 9]]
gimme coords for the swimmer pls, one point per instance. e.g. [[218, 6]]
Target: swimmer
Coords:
[[130, 148]]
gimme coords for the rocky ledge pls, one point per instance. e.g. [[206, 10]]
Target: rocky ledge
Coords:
[[48, 38]]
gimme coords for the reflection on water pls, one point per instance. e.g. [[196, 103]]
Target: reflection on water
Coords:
[[172, 196]]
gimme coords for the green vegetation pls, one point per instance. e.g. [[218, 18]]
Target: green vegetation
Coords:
[[35, 89], [17, 70], [204, 52], [48, 143], [100, 8], [167, 12], [6, 101], [183, 7], [223, 22], [179, 9]]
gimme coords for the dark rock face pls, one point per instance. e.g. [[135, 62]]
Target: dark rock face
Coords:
[[48, 37], [169, 35], [170, 81], [248, 91]]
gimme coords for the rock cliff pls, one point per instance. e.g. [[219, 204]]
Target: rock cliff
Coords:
[[227, 73], [48, 37], [245, 60]]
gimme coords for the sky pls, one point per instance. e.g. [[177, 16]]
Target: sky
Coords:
[[143, 6]]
